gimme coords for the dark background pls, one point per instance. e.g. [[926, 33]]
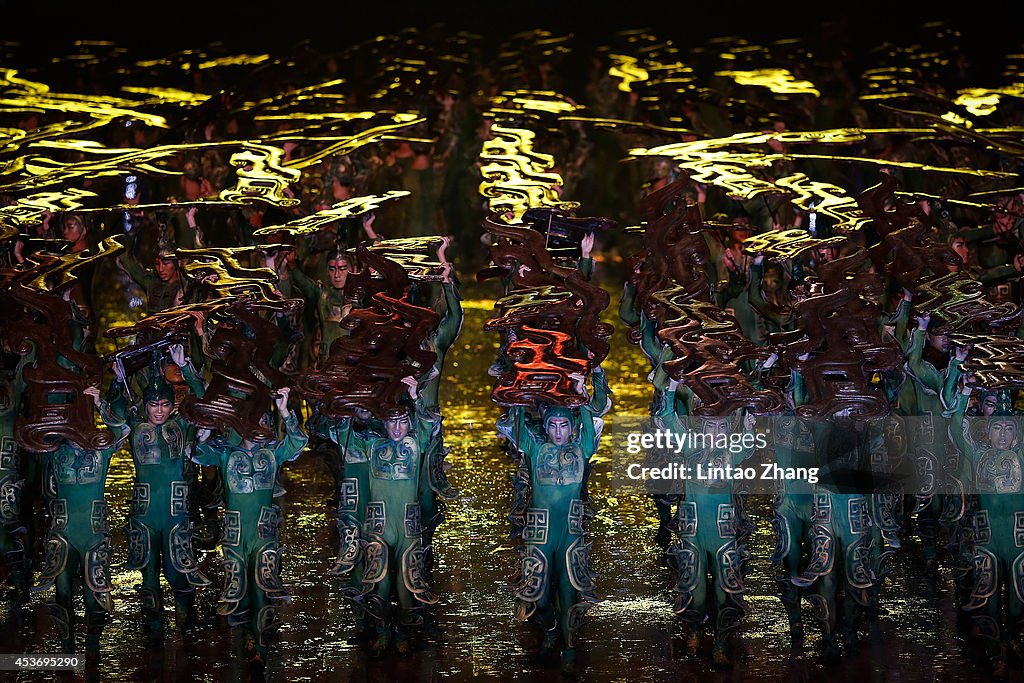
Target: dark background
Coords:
[[988, 29]]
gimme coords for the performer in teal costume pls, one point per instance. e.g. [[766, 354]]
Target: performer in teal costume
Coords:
[[159, 529], [710, 533], [353, 494], [252, 553], [556, 586], [77, 546], [435, 485], [394, 554], [997, 470], [12, 530]]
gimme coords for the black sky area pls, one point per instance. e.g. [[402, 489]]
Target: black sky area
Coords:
[[150, 29]]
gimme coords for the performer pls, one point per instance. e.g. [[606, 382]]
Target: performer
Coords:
[[332, 304], [996, 467], [936, 395], [252, 554], [352, 440], [77, 546], [710, 532], [162, 284], [159, 527], [556, 586], [393, 527], [436, 482], [12, 530]]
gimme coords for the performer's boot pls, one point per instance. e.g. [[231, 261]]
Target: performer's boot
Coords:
[[999, 661], [569, 661], [400, 636], [692, 635], [720, 656], [791, 601], [663, 537], [380, 618], [64, 619], [549, 627], [153, 613], [381, 643], [94, 624], [829, 648], [185, 610]]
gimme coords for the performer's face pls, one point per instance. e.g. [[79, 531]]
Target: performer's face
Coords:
[[959, 245], [939, 342], [559, 430], [164, 268], [337, 271], [772, 280], [74, 229], [397, 427], [989, 406], [1002, 434], [716, 426], [158, 410]]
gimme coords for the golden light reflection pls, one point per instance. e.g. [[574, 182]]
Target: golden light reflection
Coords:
[[261, 176], [984, 101], [744, 175], [780, 81], [346, 209], [233, 60], [627, 69], [536, 100], [30, 211], [168, 95]]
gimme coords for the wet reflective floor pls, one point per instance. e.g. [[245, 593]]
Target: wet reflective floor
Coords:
[[632, 635]]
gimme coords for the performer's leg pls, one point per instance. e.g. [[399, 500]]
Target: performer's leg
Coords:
[[184, 591], [795, 535], [383, 617], [823, 607], [150, 591], [96, 618], [62, 610], [562, 597]]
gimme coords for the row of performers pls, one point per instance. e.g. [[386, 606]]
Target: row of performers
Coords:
[[835, 538], [391, 487]]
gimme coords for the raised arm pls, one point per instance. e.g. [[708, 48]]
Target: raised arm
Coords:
[[600, 401], [295, 438], [954, 371], [114, 410], [924, 372], [628, 312], [118, 426], [310, 290], [962, 441], [901, 318], [586, 263], [451, 323], [127, 262], [195, 383]]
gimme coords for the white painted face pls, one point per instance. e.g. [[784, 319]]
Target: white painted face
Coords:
[[338, 270], [716, 426], [1002, 433], [559, 430], [397, 427], [158, 410]]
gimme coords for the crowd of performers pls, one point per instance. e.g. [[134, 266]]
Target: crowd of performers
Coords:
[[867, 352], [199, 399], [863, 323]]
